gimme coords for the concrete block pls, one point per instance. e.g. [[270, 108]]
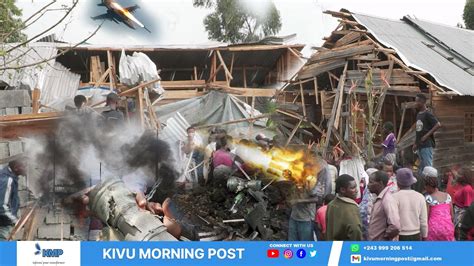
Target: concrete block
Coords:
[[53, 231], [14, 98], [55, 218], [16, 147], [26, 110], [4, 150], [12, 111]]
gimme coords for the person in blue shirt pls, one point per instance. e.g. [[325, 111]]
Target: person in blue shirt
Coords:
[[9, 200]]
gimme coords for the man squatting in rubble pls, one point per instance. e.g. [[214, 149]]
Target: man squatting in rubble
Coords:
[[111, 115], [9, 200], [303, 207]]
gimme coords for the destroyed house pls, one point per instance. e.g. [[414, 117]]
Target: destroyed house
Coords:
[[32, 101], [369, 70], [247, 71]]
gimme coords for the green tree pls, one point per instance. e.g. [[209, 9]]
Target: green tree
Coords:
[[235, 21], [10, 22], [468, 15]]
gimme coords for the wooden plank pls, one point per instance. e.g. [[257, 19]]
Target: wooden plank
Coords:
[[141, 107], [330, 124], [314, 70], [337, 14], [213, 66], [302, 100], [293, 133], [331, 55], [350, 22], [95, 71], [296, 55], [250, 133], [316, 91], [212, 78], [341, 141], [183, 84], [102, 78], [232, 64], [244, 76], [348, 38], [35, 98], [131, 91], [341, 92], [182, 94], [112, 73], [224, 65], [151, 112], [401, 124], [381, 100]]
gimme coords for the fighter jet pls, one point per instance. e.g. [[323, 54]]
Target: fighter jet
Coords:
[[117, 13]]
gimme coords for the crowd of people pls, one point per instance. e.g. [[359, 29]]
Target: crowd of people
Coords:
[[388, 201]]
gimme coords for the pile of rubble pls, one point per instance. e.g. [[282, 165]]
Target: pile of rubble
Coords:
[[214, 212]]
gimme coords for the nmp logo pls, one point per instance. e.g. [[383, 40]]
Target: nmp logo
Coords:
[[47, 253]]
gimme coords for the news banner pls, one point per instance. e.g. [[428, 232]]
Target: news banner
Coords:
[[73, 253]]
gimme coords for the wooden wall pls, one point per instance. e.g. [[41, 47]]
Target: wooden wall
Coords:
[[451, 147]]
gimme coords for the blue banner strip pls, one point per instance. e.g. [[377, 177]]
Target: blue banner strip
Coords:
[[261, 253]]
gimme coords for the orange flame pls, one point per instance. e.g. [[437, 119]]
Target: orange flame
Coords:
[[297, 166]]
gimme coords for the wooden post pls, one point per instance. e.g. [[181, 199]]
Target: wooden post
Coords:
[[316, 90], [394, 117], [214, 65], [232, 64], [244, 77], [111, 69], [302, 99], [195, 73], [401, 124], [140, 107], [35, 97], [251, 115]]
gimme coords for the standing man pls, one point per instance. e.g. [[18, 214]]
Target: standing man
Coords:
[[342, 216], [426, 126], [9, 200], [411, 208], [385, 220]]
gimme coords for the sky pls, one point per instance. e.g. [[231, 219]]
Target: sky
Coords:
[[178, 22]]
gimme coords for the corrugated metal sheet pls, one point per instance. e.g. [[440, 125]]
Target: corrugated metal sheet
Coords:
[[54, 80], [57, 83], [26, 55], [422, 52], [458, 39]]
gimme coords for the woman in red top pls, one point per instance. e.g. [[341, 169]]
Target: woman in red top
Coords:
[[463, 197], [451, 185]]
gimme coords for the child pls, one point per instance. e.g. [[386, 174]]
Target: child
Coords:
[[390, 140]]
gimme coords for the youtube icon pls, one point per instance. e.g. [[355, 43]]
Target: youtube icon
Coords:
[[273, 253]]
